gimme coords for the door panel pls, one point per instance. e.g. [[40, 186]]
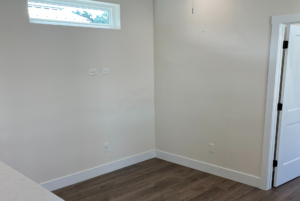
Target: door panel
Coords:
[[288, 142]]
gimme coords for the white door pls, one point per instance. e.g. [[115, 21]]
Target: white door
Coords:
[[288, 141]]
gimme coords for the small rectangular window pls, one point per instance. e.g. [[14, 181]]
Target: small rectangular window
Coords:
[[82, 13]]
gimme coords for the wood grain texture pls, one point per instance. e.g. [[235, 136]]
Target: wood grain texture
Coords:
[[155, 180]]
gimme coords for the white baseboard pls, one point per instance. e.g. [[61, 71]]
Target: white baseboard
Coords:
[[110, 167], [211, 169], [97, 171]]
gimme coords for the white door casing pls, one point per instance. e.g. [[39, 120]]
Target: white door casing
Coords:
[[274, 78], [288, 141]]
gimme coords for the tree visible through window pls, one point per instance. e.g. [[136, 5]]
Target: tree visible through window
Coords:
[[103, 19], [51, 12], [78, 13]]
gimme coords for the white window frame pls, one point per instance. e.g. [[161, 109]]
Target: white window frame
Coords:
[[113, 10]]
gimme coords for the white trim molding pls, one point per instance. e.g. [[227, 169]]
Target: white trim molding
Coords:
[[211, 169], [187, 162], [278, 29], [97, 171]]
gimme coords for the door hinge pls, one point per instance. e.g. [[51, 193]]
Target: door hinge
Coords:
[[275, 163], [285, 44], [280, 106]]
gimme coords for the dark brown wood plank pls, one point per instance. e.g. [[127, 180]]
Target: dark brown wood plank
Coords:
[[236, 192], [254, 194], [212, 194], [113, 188], [158, 180], [113, 176], [280, 193], [109, 181]]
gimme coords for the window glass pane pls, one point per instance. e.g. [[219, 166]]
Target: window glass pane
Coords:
[[67, 14]]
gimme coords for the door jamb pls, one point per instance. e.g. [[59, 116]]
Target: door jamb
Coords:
[[275, 63]]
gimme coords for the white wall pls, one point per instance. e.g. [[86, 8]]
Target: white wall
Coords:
[[54, 118], [210, 85], [211, 78]]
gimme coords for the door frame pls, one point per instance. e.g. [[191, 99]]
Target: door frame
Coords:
[[275, 63]]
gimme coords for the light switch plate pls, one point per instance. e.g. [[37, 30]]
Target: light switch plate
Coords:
[[105, 71], [92, 72]]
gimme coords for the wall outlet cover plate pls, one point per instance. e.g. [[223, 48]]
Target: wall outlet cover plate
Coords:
[[93, 72], [105, 71]]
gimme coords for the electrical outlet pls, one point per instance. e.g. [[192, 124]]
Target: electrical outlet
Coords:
[[105, 71], [106, 148], [92, 72], [211, 148]]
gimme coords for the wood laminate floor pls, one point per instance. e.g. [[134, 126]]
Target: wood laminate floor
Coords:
[[156, 179]]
